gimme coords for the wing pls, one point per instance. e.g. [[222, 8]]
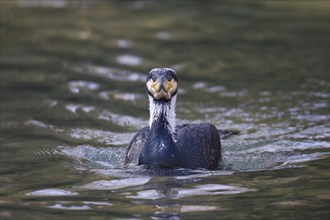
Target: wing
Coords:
[[199, 146], [224, 134], [136, 146]]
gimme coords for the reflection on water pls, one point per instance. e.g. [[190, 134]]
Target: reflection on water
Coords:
[[73, 96], [81, 86], [111, 74], [52, 192], [37, 3], [53, 4], [129, 60], [205, 190], [66, 205], [108, 95], [115, 184]]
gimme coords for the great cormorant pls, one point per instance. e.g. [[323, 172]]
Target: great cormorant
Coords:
[[164, 144]]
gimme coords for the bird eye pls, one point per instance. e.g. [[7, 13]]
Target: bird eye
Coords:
[[170, 75], [154, 78]]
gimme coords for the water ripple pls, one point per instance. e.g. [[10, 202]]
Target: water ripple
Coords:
[[197, 190], [210, 89], [82, 86], [163, 35], [84, 205], [123, 43], [130, 60], [122, 120], [115, 184], [90, 157], [110, 73], [37, 3], [124, 96], [52, 192], [74, 107], [101, 136]]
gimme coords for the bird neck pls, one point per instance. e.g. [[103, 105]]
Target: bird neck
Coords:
[[162, 114], [160, 147]]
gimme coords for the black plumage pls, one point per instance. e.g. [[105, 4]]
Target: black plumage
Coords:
[[166, 145]]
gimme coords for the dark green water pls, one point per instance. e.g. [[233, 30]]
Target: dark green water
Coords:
[[73, 95]]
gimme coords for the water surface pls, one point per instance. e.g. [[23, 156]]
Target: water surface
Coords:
[[73, 96]]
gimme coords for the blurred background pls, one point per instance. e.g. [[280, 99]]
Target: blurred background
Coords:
[[73, 95]]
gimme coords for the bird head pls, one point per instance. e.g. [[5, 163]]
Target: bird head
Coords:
[[162, 84]]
